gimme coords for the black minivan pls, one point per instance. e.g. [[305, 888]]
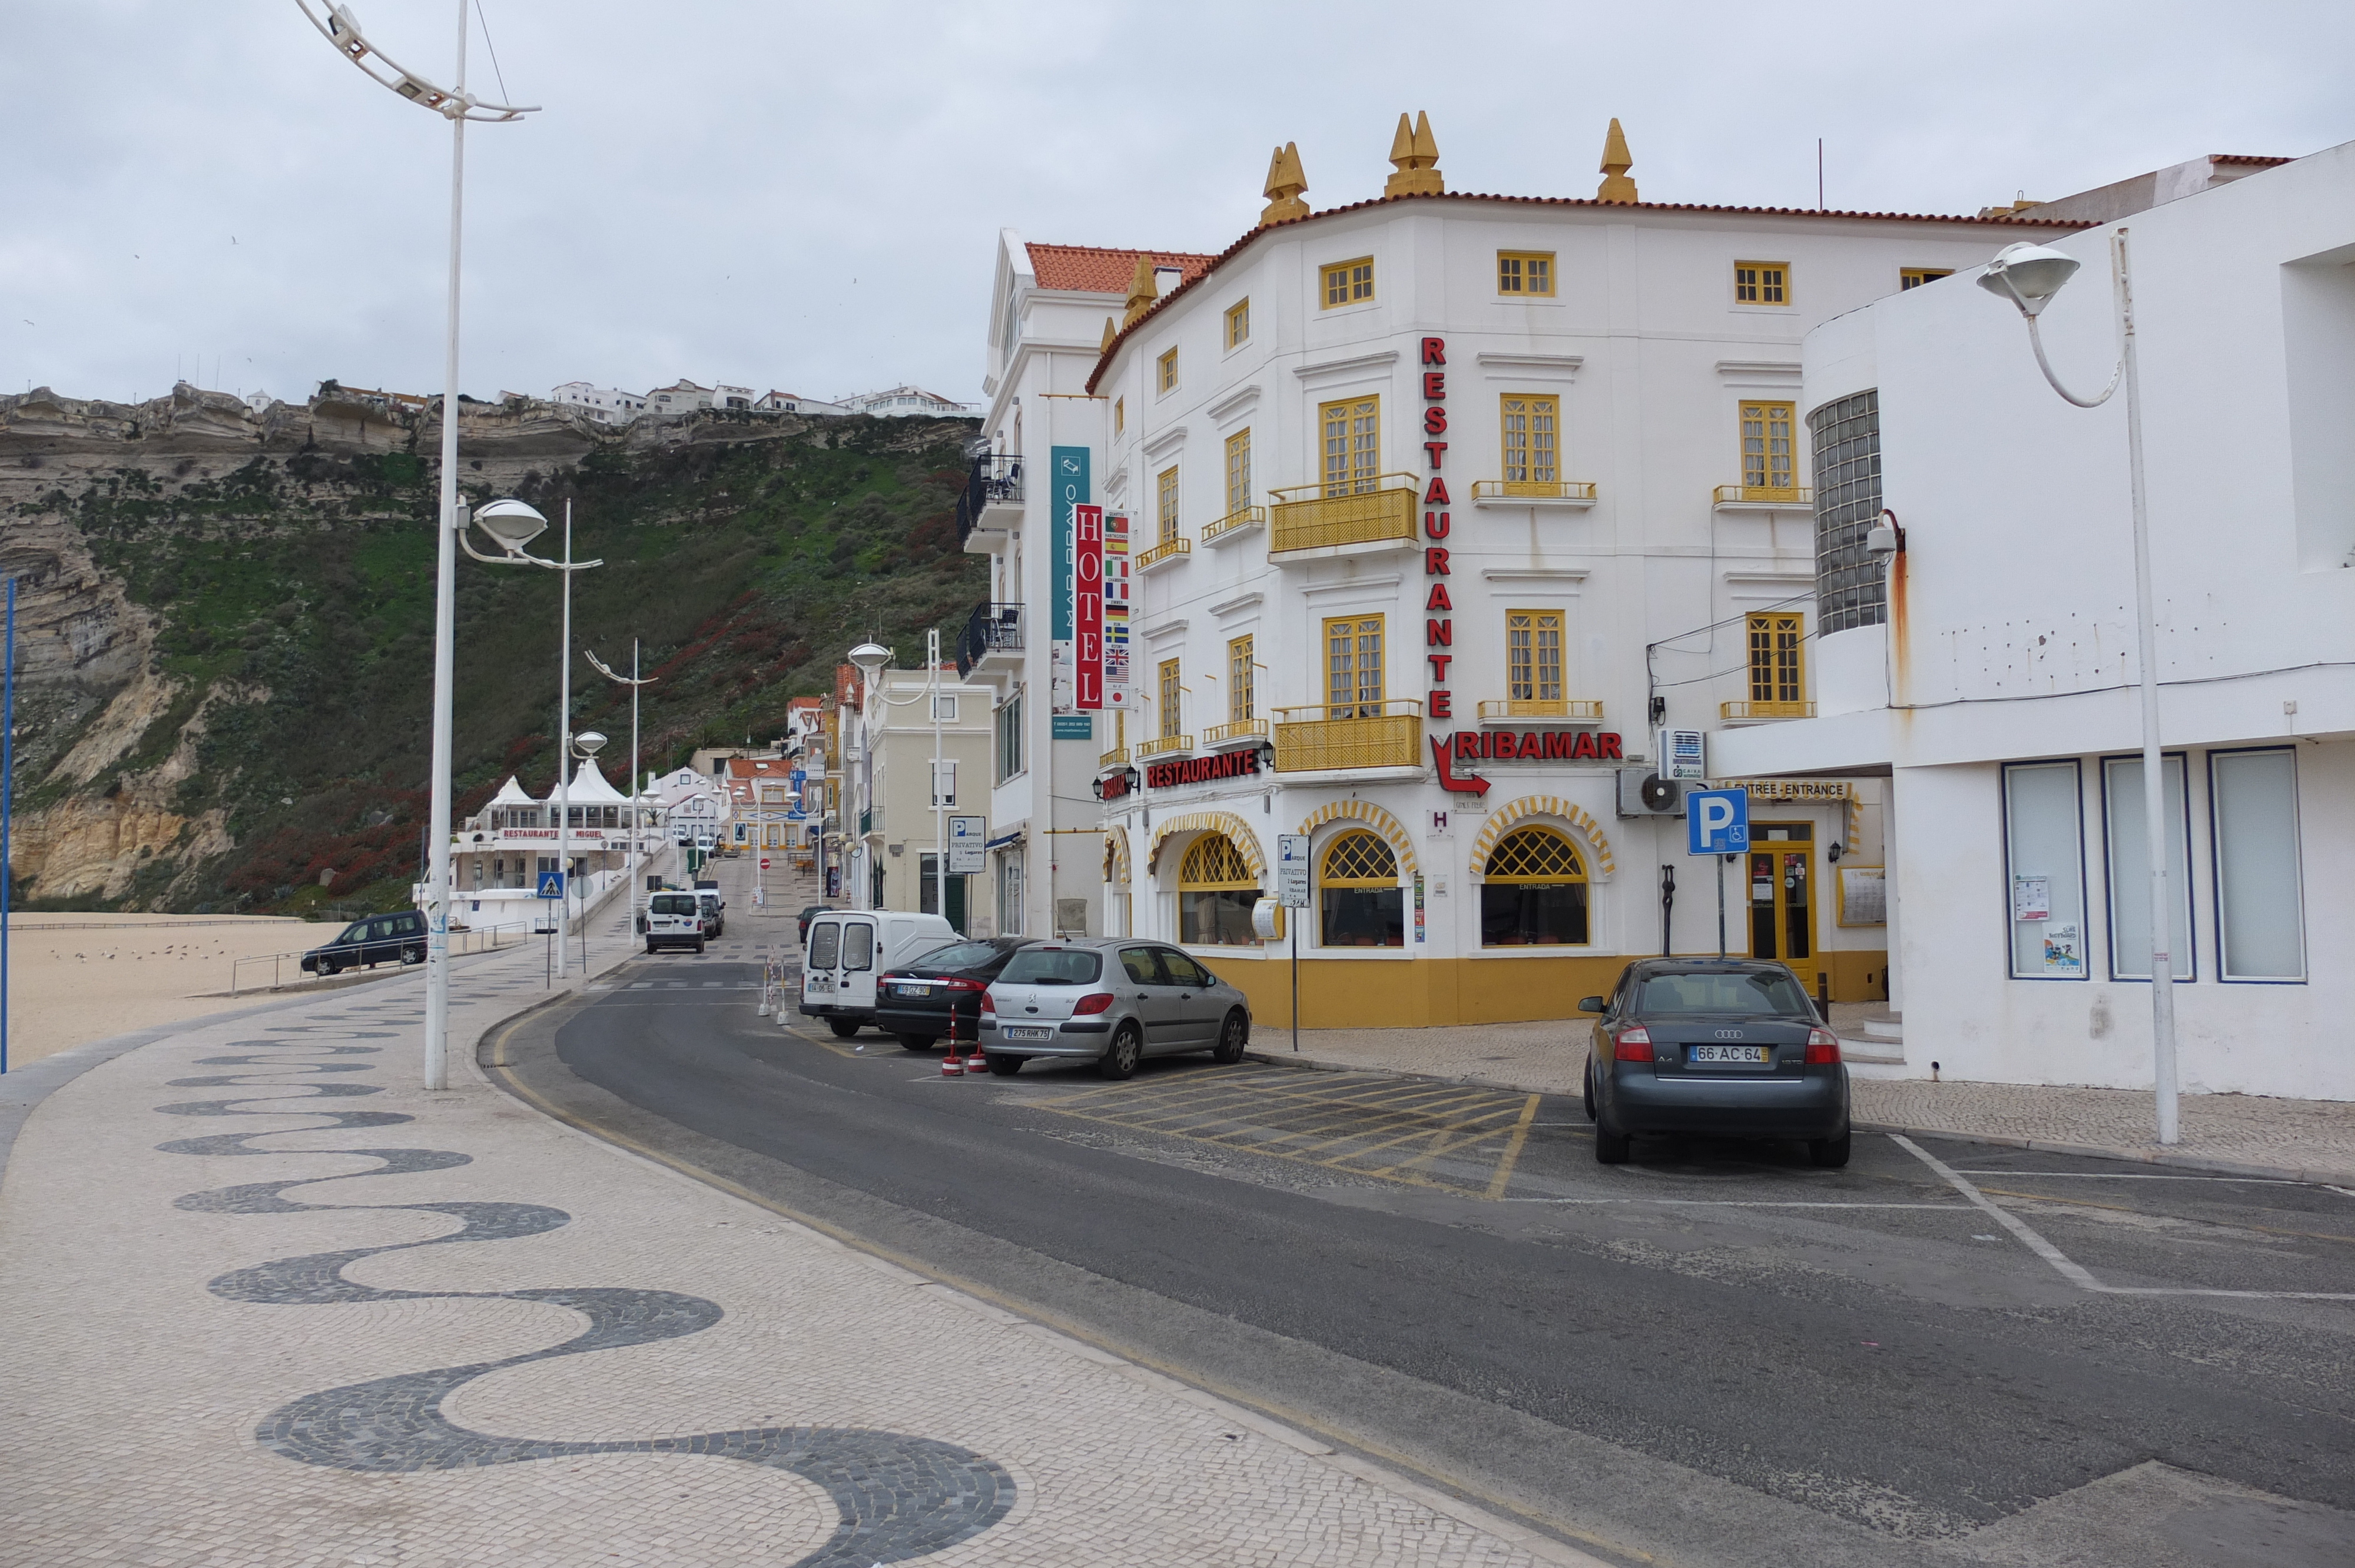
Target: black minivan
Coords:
[[379, 939]]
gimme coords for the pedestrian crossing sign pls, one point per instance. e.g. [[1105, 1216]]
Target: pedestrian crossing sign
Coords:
[[551, 884]]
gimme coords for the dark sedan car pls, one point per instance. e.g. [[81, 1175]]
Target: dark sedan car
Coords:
[[814, 910], [939, 993], [1729, 1047], [379, 939]]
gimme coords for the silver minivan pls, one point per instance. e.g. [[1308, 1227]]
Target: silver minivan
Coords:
[[1110, 1000]]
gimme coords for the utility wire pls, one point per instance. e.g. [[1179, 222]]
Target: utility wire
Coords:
[[505, 95]]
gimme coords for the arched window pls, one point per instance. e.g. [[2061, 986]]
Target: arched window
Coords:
[[1216, 891], [1359, 889], [1535, 892]]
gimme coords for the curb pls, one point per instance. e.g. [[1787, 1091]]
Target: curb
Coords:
[[2217, 1164]]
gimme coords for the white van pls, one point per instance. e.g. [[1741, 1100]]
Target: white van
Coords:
[[674, 920], [848, 947]]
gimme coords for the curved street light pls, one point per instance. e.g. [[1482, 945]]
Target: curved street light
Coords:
[[342, 29], [872, 659], [637, 791], [2029, 276]]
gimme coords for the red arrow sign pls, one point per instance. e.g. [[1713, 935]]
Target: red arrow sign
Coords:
[[1470, 784]]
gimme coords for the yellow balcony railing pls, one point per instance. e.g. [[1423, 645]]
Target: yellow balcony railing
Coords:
[[1163, 745], [1533, 490], [1116, 758], [1757, 710], [1505, 710], [1356, 734], [1763, 494], [1363, 512], [1167, 550], [1234, 523], [1242, 730]]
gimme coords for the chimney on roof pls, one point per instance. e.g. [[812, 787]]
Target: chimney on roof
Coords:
[[1284, 183], [1414, 153], [1140, 290], [1616, 185]]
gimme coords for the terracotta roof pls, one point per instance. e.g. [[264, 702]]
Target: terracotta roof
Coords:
[[1092, 269], [2246, 158], [1213, 263]]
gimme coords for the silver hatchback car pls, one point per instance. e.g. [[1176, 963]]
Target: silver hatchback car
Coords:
[[1110, 1000]]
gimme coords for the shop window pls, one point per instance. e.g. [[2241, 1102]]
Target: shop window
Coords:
[[1525, 273], [2044, 858], [1353, 667], [1237, 323], [1348, 282], [2260, 919], [1237, 472], [1216, 891], [1534, 892], [2128, 860], [1165, 502], [1241, 688], [1353, 444], [1778, 670], [1768, 453], [1761, 282], [1359, 893]]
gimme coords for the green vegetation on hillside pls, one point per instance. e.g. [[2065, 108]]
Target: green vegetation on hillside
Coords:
[[300, 593]]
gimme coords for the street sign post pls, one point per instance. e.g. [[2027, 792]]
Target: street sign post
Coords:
[[1292, 892], [1717, 824], [551, 884], [967, 836]]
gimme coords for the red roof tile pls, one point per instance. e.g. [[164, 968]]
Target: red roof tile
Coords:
[[1092, 270]]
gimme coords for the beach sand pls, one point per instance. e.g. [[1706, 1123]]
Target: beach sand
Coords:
[[77, 977]]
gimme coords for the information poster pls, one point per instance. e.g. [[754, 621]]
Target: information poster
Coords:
[[2063, 955], [2031, 899]]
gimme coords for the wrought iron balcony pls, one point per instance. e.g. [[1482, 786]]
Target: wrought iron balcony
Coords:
[[995, 480], [993, 628], [1377, 510], [1241, 732], [1233, 525], [1504, 711], [1352, 735], [1169, 549]]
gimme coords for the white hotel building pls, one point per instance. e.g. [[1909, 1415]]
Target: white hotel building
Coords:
[[1988, 669], [1429, 493]]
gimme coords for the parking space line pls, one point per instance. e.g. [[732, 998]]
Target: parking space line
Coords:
[[1504, 1176]]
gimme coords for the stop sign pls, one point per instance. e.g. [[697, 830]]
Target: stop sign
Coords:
[[764, 863]]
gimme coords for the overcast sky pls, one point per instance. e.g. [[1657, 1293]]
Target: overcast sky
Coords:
[[807, 196]]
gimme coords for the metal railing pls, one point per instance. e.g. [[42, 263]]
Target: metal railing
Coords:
[[1242, 730], [995, 480], [286, 969], [1763, 494], [1116, 758], [992, 628], [1504, 710], [1169, 549], [1533, 490], [1379, 510], [1163, 745], [1347, 735], [1757, 710], [1234, 523]]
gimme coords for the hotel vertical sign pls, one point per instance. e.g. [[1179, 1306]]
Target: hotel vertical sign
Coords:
[[1087, 608], [1069, 466]]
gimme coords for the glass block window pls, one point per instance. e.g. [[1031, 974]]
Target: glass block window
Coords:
[[1851, 587]]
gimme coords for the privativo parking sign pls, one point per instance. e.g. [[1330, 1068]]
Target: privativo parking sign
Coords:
[[1717, 822]]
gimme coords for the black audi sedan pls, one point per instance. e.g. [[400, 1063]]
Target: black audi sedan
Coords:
[[939, 993], [1725, 1047]]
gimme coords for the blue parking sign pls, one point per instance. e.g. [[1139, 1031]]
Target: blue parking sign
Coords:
[[551, 884], [1717, 822]]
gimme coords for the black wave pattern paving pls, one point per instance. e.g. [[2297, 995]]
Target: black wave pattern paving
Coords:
[[898, 1497]]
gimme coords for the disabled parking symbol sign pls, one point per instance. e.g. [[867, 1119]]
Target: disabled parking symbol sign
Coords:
[[1717, 822]]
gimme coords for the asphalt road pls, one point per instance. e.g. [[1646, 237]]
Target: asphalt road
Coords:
[[1715, 1355]]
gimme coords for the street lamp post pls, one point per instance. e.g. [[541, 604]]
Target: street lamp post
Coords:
[[2029, 276], [587, 744], [871, 658], [636, 790], [458, 106]]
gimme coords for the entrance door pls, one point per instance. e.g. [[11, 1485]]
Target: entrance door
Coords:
[[929, 894], [1783, 896]]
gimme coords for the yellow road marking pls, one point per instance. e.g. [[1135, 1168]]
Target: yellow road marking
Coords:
[[1504, 1175]]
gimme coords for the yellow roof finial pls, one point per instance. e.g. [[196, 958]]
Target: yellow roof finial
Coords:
[[1142, 291], [1616, 185], [1110, 332], [1285, 183], [1415, 154]]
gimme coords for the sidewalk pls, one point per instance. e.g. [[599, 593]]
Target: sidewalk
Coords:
[[271, 1303], [2242, 1135]]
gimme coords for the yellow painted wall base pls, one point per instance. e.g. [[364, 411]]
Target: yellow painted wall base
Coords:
[[1416, 993]]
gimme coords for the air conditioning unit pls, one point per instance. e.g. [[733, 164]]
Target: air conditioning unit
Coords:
[[1643, 793]]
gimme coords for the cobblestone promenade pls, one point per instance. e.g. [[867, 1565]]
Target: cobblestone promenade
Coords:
[[269, 1303]]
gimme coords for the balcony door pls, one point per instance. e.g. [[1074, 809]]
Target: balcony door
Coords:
[[1353, 667]]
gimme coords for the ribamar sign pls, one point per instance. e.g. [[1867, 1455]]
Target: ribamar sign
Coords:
[[1528, 746]]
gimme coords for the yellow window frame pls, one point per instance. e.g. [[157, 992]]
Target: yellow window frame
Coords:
[[1352, 429], [1530, 427], [1238, 322], [1347, 282], [1778, 656], [1165, 371], [1119, 414], [1170, 688], [1528, 273], [1914, 277], [1212, 863], [1358, 858], [1533, 656], [1165, 502], [1353, 667], [1535, 854], [1243, 689], [1761, 282], [1239, 486], [1770, 453]]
